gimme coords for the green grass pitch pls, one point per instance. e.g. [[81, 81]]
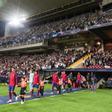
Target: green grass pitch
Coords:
[[82, 101], [4, 89]]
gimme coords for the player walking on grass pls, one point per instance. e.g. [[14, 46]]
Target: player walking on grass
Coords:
[[93, 82], [78, 81], [31, 76], [55, 81], [69, 85], [12, 84], [23, 89], [36, 81], [64, 79], [88, 81], [41, 88], [60, 83], [83, 81]]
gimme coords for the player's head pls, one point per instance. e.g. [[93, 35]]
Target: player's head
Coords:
[[31, 70], [12, 69], [63, 72], [23, 79], [79, 73], [56, 73]]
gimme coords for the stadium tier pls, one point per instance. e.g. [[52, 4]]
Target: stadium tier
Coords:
[[56, 29]]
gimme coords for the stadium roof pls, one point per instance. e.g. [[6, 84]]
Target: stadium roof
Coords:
[[29, 7]]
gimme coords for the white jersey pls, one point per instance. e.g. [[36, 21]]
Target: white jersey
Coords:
[[31, 77]]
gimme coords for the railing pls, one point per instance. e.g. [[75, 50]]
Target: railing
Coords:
[[23, 45], [80, 70]]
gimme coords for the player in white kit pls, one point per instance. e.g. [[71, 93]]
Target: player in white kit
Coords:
[[31, 76]]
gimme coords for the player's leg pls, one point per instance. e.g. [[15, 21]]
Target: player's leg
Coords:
[[14, 93], [22, 99], [94, 86], [59, 89], [42, 90], [31, 86], [64, 84], [52, 87], [10, 94], [22, 95], [32, 91], [38, 89]]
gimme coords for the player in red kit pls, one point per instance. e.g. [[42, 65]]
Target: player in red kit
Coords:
[[64, 79], [12, 84], [36, 81], [79, 80], [55, 81]]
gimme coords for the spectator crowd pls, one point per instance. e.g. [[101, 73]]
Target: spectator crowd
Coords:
[[102, 59], [57, 28], [56, 60]]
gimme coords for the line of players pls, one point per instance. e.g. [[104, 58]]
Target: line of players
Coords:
[[59, 83], [34, 82]]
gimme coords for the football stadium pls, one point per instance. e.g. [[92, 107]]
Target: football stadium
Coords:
[[56, 55]]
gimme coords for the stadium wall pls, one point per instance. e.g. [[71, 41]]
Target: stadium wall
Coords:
[[2, 28]]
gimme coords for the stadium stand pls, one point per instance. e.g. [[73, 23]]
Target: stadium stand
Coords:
[[102, 59], [59, 28], [55, 60]]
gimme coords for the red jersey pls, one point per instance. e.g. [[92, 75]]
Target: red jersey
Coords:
[[55, 78], [12, 78], [64, 76], [79, 76], [36, 79]]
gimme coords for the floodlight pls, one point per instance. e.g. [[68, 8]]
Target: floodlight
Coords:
[[17, 21]]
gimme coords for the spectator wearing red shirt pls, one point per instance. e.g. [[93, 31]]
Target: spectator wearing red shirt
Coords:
[[12, 84], [36, 81]]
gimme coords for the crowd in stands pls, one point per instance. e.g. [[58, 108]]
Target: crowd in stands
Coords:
[[57, 28], [56, 60], [102, 59]]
